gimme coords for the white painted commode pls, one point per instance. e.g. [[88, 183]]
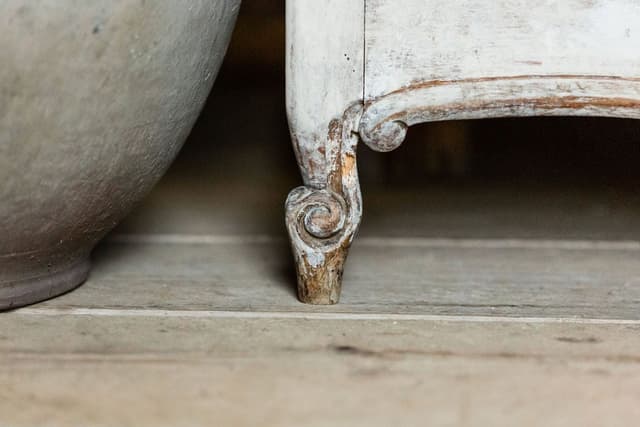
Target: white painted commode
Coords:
[[368, 69]]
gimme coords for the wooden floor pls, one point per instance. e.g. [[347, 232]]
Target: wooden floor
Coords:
[[462, 306]]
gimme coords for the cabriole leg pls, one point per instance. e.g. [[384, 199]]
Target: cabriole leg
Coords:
[[325, 72], [322, 218]]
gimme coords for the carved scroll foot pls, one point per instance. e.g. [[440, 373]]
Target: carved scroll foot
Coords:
[[321, 226], [322, 220]]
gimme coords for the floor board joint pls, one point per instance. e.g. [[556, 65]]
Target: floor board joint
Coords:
[[101, 312]]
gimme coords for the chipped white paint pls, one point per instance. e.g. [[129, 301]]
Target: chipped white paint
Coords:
[[385, 120], [315, 258], [413, 40], [325, 86], [324, 67], [434, 60]]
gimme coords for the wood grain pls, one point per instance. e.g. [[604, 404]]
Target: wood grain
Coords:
[[156, 371], [181, 324], [410, 276]]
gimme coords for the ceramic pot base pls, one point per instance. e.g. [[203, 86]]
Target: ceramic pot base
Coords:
[[96, 99], [19, 293]]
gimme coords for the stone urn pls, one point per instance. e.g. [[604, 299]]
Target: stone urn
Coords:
[[96, 99]]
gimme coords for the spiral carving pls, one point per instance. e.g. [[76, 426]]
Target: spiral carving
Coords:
[[319, 214], [385, 136]]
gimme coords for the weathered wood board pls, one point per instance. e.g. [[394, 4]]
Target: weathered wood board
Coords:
[[182, 323], [422, 276], [96, 370]]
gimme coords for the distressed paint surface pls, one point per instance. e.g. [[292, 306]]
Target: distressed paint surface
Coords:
[[431, 61], [385, 120], [411, 41], [325, 89], [324, 67], [485, 59], [322, 223]]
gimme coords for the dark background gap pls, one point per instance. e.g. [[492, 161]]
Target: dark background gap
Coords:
[[240, 147]]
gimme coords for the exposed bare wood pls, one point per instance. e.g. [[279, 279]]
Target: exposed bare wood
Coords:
[[324, 78], [429, 61], [323, 111], [385, 120], [322, 222]]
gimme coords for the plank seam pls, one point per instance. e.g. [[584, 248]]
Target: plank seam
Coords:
[[206, 314], [424, 242]]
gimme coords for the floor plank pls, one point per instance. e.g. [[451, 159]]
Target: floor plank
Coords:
[[315, 390], [472, 311], [415, 276], [44, 333], [156, 371]]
